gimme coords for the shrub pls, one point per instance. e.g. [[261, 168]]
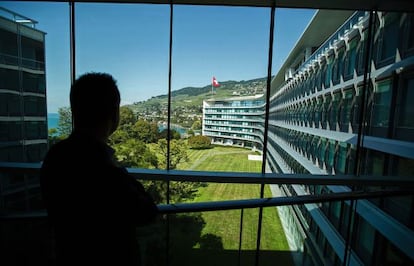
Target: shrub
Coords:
[[199, 142]]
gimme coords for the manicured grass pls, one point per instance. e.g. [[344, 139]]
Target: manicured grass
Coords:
[[224, 226], [210, 160]]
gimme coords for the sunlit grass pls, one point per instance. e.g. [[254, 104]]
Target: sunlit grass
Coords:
[[225, 225]]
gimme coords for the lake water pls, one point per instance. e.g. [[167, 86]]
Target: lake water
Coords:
[[52, 120], [179, 129]]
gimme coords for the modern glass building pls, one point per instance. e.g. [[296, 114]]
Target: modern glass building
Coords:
[[335, 126], [23, 120], [236, 121], [341, 104]]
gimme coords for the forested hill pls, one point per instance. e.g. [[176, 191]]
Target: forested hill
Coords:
[[197, 94], [186, 103], [243, 87]]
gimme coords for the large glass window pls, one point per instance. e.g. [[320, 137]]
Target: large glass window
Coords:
[[345, 110], [328, 70], [381, 108], [327, 105], [361, 53], [334, 110], [364, 242], [8, 47], [405, 118], [340, 165], [392, 255], [130, 42], [350, 59], [220, 58], [388, 38], [216, 110], [337, 66], [33, 52], [408, 37], [34, 82], [31, 106], [9, 79], [404, 114], [318, 111], [375, 163], [331, 154], [356, 109]]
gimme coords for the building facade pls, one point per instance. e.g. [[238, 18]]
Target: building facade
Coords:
[[340, 104], [23, 119], [236, 121]]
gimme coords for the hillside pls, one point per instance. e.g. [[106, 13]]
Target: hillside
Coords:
[[186, 103]]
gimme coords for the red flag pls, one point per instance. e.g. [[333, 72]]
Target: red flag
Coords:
[[215, 82]]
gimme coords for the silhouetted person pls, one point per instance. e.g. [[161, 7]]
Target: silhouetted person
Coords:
[[93, 205]]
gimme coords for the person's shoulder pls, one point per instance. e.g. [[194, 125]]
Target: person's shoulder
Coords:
[[54, 152], [59, 147]]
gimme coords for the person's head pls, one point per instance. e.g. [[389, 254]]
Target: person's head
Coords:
[[94, 100]]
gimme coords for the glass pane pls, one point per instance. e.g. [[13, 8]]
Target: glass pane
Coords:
[[130, 42], [34, 40], [339, 54], [407, 110], [219, 67], [219, 83], [381, 108]]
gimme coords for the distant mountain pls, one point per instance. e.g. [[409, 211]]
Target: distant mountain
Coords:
[[225, 85], [186, 103]]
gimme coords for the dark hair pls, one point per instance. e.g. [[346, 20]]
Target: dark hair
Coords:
[[94, 98]]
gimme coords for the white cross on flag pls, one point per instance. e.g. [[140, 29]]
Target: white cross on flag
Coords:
[[215, 82]]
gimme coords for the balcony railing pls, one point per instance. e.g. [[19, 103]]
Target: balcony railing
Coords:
[[25, 62]]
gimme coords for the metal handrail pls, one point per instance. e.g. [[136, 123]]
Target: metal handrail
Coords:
[[244, 203], [406, 182]]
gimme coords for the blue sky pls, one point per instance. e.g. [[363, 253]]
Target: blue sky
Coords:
[[132, 43]]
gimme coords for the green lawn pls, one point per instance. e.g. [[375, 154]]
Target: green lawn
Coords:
[[218, 242]]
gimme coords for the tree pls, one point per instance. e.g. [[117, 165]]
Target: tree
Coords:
[[134, 153], [65, 122], [145, 131], [196, 125], [199, 142], [174, 134], [126, 116], [178, 153], [53, 132], [53, 136], [179, 191], [120, 135]]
